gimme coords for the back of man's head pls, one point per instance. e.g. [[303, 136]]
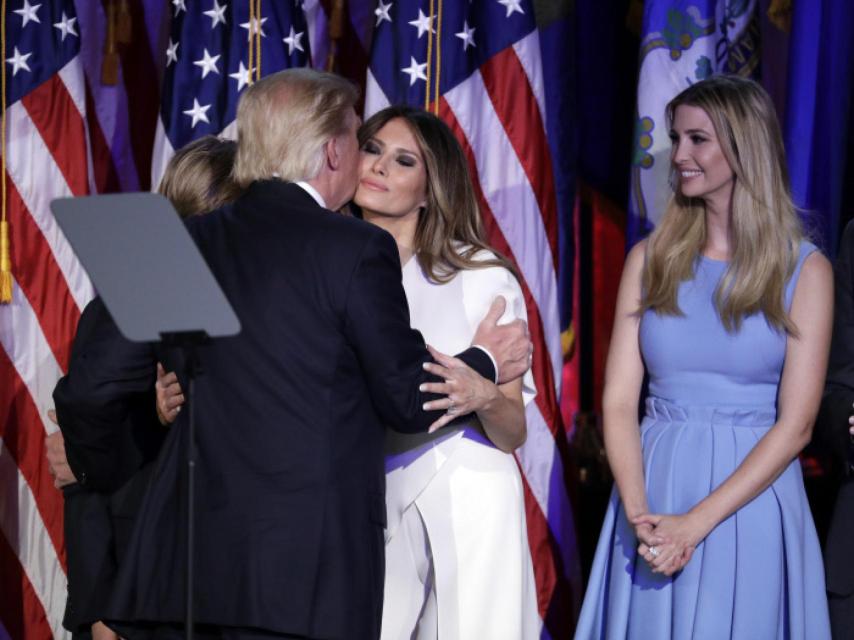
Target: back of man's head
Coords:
[[283, 121]]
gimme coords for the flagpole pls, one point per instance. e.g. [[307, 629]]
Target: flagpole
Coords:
[[5, 258]]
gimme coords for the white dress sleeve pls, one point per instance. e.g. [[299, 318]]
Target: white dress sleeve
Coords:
[[480, 288]]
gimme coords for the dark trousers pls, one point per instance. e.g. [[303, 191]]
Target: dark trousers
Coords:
[[839, 564], [203, 632]]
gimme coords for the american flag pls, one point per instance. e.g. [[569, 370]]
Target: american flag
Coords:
[[215, 50], [47, 157], [181, 67], [478, 66]]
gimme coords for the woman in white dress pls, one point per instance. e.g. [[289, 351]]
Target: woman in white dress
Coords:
[[458, 563]]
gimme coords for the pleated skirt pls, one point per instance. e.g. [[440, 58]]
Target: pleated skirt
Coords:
[[758, 575]]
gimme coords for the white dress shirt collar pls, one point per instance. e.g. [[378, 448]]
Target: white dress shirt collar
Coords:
[[314, 193]]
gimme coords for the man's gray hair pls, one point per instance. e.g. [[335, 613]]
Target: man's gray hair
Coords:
[[283, 121]]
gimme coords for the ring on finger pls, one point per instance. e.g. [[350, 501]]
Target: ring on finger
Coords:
[[653, 551], [452, 409]]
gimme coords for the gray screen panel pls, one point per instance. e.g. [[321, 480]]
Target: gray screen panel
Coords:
[[145, 265]]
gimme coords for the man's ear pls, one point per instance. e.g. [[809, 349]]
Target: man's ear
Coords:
[[333, 157]]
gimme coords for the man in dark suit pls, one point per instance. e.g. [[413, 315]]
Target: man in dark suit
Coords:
[[832, 431], [291, 412]]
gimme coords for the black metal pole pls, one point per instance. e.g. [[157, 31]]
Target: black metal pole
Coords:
[[188, 342], [191, 488]]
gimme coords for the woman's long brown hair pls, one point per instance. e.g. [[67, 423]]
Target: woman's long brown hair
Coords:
[[449, 232]]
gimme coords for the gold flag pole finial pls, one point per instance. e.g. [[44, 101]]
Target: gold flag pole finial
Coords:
[[251, 50], [254, 40], [438, 60], [258, 41], [336, 32], [110, 64], [780, 14], [429, 73], [124, 26], [5, 256]]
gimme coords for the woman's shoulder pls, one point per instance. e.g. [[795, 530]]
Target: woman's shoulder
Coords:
[[814, 264], [806, 248], [811, 259], [475, 254], [480, 256], [636, 257], [812, 270], [812, 284], [638, 250]]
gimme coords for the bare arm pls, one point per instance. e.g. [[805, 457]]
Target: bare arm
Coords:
[[503, 417], [623, 379], [801, 387]]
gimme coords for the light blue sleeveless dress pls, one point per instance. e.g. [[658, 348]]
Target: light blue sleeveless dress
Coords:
[[712, 396]]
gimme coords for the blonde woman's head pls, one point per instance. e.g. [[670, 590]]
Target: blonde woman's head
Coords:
[[748, 133], [198, 177], [764, 227]]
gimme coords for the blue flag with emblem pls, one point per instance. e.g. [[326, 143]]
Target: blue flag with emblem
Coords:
[[682, 41]]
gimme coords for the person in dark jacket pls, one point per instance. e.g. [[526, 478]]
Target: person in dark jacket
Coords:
[[832, 432]]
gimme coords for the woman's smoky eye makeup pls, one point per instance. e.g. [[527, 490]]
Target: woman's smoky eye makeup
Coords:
[[405, 159], [370, 147]]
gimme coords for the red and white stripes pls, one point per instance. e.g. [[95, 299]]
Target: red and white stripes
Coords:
[[47, 158]]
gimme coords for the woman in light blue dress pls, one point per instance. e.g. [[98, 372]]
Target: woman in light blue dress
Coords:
[[727, 309]]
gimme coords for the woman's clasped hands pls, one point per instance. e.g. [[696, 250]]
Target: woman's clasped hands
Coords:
[[667, 542]]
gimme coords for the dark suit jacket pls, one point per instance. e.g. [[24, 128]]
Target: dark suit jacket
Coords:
[[96, 507], [290, 418], [831, 429]]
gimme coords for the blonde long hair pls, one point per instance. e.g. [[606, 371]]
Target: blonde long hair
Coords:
[[449, 232], [765, 230]]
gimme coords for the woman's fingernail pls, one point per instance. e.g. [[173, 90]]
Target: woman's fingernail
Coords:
[[422, 387]]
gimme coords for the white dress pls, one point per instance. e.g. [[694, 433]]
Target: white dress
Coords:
[[458, 564]]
